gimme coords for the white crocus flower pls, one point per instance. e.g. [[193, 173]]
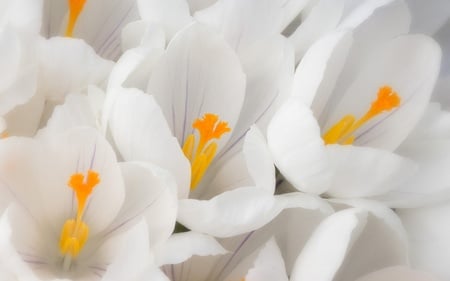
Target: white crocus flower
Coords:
[[352, 243], [38, 72], [197, 90], [98, 22], [74, 208], [361, 90], [283, 238]]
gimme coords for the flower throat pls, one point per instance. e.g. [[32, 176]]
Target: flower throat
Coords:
[[343, 131]]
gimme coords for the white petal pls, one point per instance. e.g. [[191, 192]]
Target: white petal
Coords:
[[243, 22], [11, 264], [364, 171], [410, 65], [353, 242], [141, 133], [32, 241], [269, 67], [150, 194], [21, 14], [76, 111], [266, 264], [294, 139], [428, 233], [133, 257], [135, 64], [101, 22], [69, 65], [198, 74], [373, 23], [259, 160], [333, 237], [18, 69], [173, 15], [143, 33], [374, 20], [230, 213], [269, 265], [251, 167], [291, 228], [319, 69], [397, 273], [229, 175], [323, 17], [77, 151], [182, 246]]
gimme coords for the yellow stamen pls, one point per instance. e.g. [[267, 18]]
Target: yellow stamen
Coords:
[[75, 8], [209, 127], [74, 233], [4, 135], [342, 131]]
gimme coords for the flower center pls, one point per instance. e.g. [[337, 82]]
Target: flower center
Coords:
[[209, 127], [75, 8], [75, 231], [343, 131]]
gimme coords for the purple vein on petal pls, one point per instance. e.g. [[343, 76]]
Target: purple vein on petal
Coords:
[[239, 247]]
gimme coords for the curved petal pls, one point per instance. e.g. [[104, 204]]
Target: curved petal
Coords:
[[172, 15], [198, 74], [291, 228], [319, 69], [150, 194], [76, 111], [259, 160], [182, 246], [269, 67], [364, 171], [77, 151], [133, 257], [298, 150], [264, 265], [18, 69], [253, 166], [230, 213], [140, 133], [347, 241], [410, 65], [69, 65]]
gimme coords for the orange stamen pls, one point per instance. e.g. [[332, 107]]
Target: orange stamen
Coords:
[[75, 232], [75, 8], [209, 127], [342, 131]]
